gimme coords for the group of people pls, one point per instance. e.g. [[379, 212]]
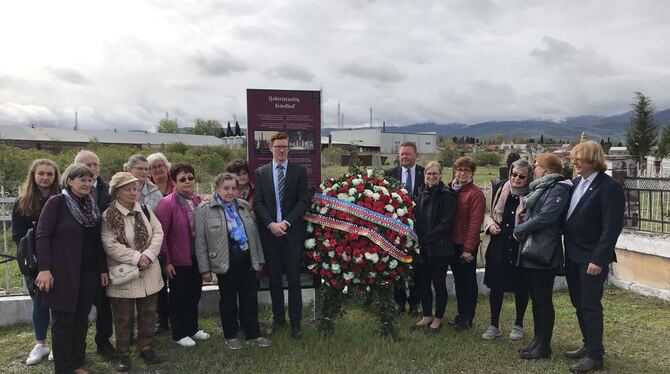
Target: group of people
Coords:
[[537, 225], [121, 246]]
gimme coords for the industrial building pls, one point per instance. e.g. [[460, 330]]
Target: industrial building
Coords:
[[375, 139]]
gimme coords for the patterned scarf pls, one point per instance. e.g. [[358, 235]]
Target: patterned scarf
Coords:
[[114, 218], [233, 222], [83, 209], [505, 192], [457, 186], [537, 189], [188, 204]]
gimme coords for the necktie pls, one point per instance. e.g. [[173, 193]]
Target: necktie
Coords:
[[281, 182], [576, 196], [408, 183]]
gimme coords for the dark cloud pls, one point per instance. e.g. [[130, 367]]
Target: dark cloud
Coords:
[[573, 61], [292, 72], [377, 71], [69, 75], [220, 63]]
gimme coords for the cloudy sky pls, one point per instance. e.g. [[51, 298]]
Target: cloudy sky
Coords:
[[123, 64]]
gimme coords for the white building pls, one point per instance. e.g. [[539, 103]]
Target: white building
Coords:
[[386, 142]]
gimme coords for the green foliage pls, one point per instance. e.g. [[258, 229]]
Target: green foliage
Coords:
[[207, 127], [167, 126], [642, 130], [331, 156], [447, 156], [487, 158], [663, 149], [177, 147]]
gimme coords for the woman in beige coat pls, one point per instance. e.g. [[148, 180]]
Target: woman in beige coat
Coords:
[[132, 238]]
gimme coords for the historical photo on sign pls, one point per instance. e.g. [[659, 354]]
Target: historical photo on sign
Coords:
[[301, 141]]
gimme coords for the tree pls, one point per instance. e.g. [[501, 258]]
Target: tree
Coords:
[[447, 156], [487, 158], [542, 139], [207, 127], [663, 149], [238, 131], [229, 130], [167, 126], [642, 131]]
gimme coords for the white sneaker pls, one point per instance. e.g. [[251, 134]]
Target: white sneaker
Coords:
[[51, 356], [200, 335], [37, 354], [491, 333], [186, 342], [516, 333]]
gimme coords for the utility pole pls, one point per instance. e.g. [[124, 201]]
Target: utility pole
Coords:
[[76, 121], [370, 117]]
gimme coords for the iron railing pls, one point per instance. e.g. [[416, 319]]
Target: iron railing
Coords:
[[647, 204]]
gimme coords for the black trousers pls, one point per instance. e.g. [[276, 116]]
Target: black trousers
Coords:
[[586, 293], [433, 271], [163, 303], [400, 294], [283, 257], [185, 291], [465, 283], [540, 284], [69, 329], [103, 317], [239, 284]]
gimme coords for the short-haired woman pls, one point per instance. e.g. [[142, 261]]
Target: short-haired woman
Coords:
[[72, 265], [149, 194], [159, 168], [465, 233], [502, 273], [228, 243], [240, 168], [41, 183], [132, 235], [541, 253], [176, 212]]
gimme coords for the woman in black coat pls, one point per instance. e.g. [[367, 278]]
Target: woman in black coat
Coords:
[[436, 205], [502, 273], [72, 265], [541, 253]]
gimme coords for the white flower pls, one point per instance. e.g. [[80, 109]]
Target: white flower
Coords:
[[393, 264], [352, 191], [345, 290], [311, 266], [383, 190], [401, 212], [370, 172], [395, 195], [310, 227], [322, 187], [373, 257], [325, 265], [336, 186], [375, 196], [342, 196], [367, 193], [331, 254], [356, 280], [356, 181], [367, 288], [310, 243], [389, 208], [344, 256], [351, 199], [372, 274], [395, 216], [345, 183], [396, 241], [335, 268], [385, 258], [410, 223], [348, 275], [323, 210], [358, 259], [403, 190], [326, 243]]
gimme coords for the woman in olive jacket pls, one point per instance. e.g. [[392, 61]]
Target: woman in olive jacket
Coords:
[[540, 234]]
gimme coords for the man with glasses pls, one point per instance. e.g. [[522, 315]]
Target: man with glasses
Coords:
[[280, 201], [411, 176], [103, 307]]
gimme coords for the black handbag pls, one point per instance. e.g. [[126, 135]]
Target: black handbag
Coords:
[[538, 248]]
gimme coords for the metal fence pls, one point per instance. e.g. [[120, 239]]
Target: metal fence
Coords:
[[647, 204], [11, 280]]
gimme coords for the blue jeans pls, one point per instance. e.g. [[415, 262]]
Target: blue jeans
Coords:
[[41, 316]]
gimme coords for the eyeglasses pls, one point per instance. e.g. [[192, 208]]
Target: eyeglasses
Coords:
[[466, 171], [141, 169], [520, 176], [280, 146], [184, 179], [432, 173]]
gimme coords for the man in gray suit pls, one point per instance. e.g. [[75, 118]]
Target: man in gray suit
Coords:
[[280, 201]]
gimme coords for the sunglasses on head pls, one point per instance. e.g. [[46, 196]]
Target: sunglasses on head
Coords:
[[520, 176], [184, 179]]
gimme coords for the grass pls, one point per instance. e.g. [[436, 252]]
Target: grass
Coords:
[[637, 330]]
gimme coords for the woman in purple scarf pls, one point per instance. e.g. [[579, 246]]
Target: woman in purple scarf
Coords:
[[176, 212]]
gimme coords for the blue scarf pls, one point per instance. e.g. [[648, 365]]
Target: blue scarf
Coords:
[[233, 222]]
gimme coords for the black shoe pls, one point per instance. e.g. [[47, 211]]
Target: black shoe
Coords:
[[585, 365], [276, 327], [460, 324], [539, 351], [124, 363], [577, 353], [296, 332], [530, 346], [414, 311], [399, 309], [107, 351], [150, 357]]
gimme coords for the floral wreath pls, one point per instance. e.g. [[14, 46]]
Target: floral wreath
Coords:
[[360, 241]]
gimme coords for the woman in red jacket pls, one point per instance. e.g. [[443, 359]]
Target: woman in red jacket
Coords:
[[465, 233]]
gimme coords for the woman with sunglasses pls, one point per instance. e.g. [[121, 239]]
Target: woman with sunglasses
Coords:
[[176, 212], [149, 194], [502, 275]]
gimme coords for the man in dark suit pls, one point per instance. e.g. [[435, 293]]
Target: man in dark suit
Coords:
[[280, 201], [103, 307], [411, 175], [593, 224]]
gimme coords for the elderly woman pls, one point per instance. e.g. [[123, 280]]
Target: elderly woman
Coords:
[[158, 168], [227, 243], [132, 238], [541, 253], [72, 265], [149, 194], [435, 210], [465, 233], [502, 275], [176, 212], [240, 168], [41, 183]]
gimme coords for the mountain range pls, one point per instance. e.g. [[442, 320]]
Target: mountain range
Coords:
[[596, 127]]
